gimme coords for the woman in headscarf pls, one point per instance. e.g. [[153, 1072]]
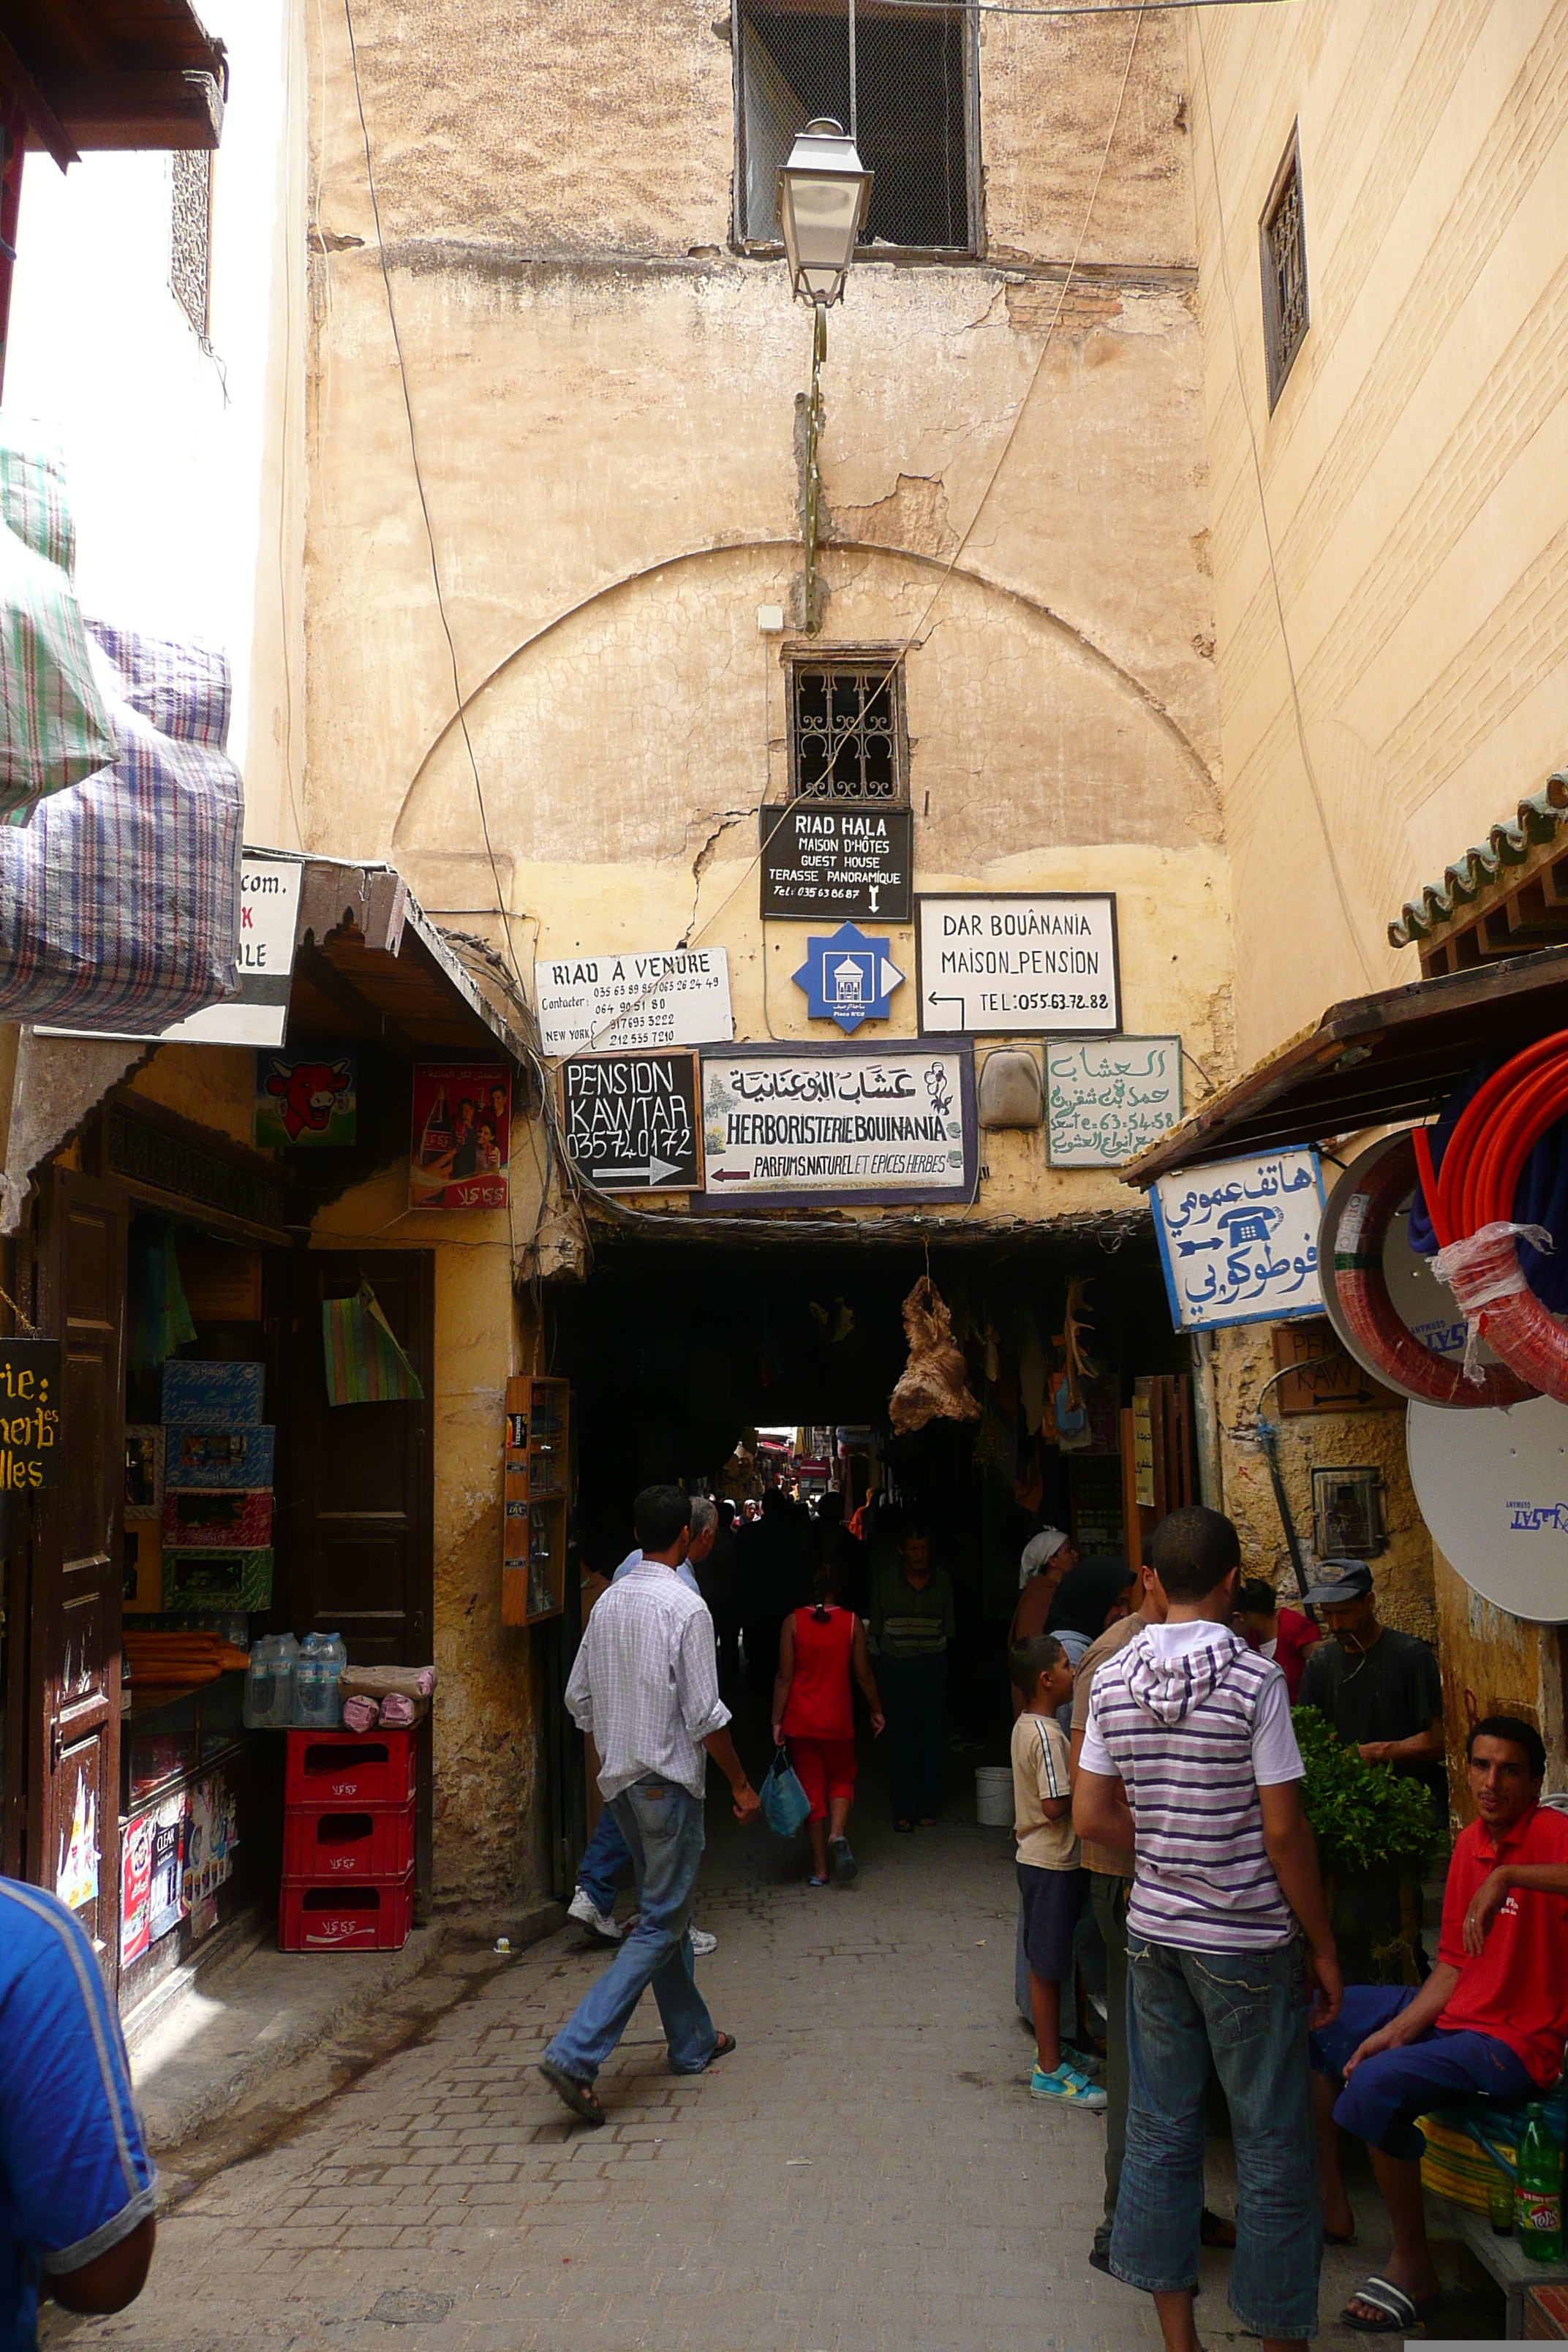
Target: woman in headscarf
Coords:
[[1047, 1557]]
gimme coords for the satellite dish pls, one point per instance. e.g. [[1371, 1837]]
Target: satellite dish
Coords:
[[1492, 1487], [1423, 1304]]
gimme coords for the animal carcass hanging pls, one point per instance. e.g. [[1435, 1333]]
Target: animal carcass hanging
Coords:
[[932, 1384]]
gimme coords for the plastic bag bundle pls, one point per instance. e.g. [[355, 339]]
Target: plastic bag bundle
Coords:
[[396, 1697], [1481, 1269], [934, 1382]]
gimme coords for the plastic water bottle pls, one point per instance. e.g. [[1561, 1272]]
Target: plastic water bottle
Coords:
[[309, 1674], [256, 1709], [335, 1658], [284, 1661], [1538, 2196]]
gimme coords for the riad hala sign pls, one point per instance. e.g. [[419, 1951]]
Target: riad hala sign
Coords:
[[1023, 963], [819, 860], [1238, 1240], [29, 1415], [875, 1124]]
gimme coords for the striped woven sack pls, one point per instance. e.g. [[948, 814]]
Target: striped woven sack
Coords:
[[364, 1364], [55, 726]]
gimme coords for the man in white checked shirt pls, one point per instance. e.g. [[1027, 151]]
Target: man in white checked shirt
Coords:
[[646, 1686]]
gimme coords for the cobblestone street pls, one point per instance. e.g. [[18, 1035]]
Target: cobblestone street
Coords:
[[868, 2174]]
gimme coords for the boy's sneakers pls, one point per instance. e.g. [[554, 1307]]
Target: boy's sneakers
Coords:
[[1083, 2061], [1068, 2087]]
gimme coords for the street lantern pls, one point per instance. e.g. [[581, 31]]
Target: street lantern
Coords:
[[823, 192]]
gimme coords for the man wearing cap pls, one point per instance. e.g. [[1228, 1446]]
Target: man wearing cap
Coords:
[[1381, 1690]]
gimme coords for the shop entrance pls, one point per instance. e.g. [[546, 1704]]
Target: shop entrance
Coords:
[[674, 1350]]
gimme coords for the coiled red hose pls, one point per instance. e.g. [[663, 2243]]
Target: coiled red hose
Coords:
[[1362, 1289], [1494, 1136]]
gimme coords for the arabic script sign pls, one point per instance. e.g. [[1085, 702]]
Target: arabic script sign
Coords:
[[603, 1003], [1104, 1102], [861, 1123], [1239, 1240], [1026, 963]]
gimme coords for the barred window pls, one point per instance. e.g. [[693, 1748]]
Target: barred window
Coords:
[[846, 732], [190, 241], [904, 77], [1285, 312]]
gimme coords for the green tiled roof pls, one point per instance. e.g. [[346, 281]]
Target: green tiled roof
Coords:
[[1539, 820]]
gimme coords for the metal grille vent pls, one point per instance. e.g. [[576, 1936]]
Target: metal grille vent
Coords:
[[847, 736], [900, 78], [1284, 275], [190, 243]]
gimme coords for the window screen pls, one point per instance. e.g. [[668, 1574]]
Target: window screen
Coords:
[[846, 732], [910, 113]]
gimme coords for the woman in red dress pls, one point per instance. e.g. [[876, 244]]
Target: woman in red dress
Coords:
[[819, 1649]]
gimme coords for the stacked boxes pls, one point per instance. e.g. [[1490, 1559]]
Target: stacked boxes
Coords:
[[218, 1488], [348, 1841]]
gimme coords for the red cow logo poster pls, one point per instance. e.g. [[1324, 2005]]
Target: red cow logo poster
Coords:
[[301, 1101], [462, 1143]]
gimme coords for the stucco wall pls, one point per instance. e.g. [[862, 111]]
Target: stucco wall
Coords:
[[1413, 473]]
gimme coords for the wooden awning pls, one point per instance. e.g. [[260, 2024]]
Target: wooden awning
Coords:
[[92, 74], [1372, 1061]]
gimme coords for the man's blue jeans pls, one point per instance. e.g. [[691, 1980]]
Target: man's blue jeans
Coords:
[[662, 1825], [1246, 2011], [607, 1858]]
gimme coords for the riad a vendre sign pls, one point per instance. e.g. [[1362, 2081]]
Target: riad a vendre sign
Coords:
[[29, 1414]]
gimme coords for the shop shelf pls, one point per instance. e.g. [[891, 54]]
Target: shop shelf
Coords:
[[373, 1915], [325, 1843], [349, 1768]]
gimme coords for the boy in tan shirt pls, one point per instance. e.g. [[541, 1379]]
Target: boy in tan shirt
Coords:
[[1049, 1879]]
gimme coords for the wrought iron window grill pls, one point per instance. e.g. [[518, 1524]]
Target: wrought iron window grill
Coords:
[[1285, 310], [190, 239], [846, 732]]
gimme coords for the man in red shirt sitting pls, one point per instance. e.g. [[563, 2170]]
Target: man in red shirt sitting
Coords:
[[1491, 2017]]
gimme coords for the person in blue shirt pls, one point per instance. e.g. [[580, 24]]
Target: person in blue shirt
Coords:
[[77, 2190]]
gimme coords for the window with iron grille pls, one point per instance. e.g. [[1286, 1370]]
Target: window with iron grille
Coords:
[[1285, 312], [190, 241], [902, 77], [846, 730]]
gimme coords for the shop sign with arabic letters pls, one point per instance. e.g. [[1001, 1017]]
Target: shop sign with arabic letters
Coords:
[[873, 1124], [1105, 1101], [1239, 1240]]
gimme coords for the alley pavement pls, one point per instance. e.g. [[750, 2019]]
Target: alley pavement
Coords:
[[866, 2174]]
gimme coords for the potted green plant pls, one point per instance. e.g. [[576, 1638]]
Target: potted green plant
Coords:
[[1376, 1834]]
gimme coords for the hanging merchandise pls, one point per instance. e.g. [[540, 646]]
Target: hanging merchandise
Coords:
[[1034, 1375], [160, 1316], [364, 1364], [119, 901], [54, 728], [934, 1382]]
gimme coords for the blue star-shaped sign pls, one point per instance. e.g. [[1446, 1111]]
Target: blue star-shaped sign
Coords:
[[848, 978]]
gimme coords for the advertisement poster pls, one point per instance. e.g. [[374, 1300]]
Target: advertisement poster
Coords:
[[136, 1890], [859, 1123], [165, 1902], [76, 1879], [1239, 1240], [607, 1003], [1105, 1101], [1024, 963], [304, 1104], [462, 1142], [210, 1840]]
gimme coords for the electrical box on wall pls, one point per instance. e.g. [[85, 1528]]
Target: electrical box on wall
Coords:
[[1348, 1520]]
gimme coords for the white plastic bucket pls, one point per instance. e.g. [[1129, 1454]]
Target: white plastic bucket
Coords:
[[994, 1796]]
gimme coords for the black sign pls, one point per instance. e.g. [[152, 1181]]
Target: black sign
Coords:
[[29, 1414], [824, 858], [633, 1123]]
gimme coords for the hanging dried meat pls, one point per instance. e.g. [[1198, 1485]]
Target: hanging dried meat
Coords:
[[933, 1383]]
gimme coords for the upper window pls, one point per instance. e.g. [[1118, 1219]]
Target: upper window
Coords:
[[190, 243], [901, 76], [846, 730], [1285, 314]]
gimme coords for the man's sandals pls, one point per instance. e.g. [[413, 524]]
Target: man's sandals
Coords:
[[583, 2100], [1398, 2312]]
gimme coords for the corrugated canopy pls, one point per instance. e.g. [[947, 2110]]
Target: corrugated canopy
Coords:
[[1372, 1061], [112, 73]]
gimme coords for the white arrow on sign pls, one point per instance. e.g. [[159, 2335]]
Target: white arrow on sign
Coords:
[[649, 1175]]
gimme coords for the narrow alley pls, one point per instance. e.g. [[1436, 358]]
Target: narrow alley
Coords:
[[867, 2173]]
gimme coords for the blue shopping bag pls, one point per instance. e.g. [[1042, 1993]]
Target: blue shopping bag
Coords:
[[786, 1805]]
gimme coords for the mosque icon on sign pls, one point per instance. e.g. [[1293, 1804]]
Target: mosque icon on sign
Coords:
[[847, 977]]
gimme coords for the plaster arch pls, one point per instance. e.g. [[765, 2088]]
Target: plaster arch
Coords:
[[628, 726]]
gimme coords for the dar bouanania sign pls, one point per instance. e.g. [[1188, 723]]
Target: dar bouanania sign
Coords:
[[869, 1123]]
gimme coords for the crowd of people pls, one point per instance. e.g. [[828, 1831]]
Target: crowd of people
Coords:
[[1163, 1852]]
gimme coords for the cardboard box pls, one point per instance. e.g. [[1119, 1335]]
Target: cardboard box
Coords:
[[217, 1457], [217, 1580], [209, 1518], [212, 1396]]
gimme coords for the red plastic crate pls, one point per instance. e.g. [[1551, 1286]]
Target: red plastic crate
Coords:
[[326, 1842], [369, 1914], [337, 1769]]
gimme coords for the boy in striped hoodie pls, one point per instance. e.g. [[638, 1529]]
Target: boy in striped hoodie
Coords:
[[1189, 1758]]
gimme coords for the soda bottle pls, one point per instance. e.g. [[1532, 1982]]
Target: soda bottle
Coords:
[[1538, 2192]]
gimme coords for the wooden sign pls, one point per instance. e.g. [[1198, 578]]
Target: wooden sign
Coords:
[[850, 863], [30, 1454], [631, 1121], [1330, 1380]]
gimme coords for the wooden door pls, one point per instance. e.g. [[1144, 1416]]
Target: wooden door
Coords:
[[73, 1764], [358, 1508]]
